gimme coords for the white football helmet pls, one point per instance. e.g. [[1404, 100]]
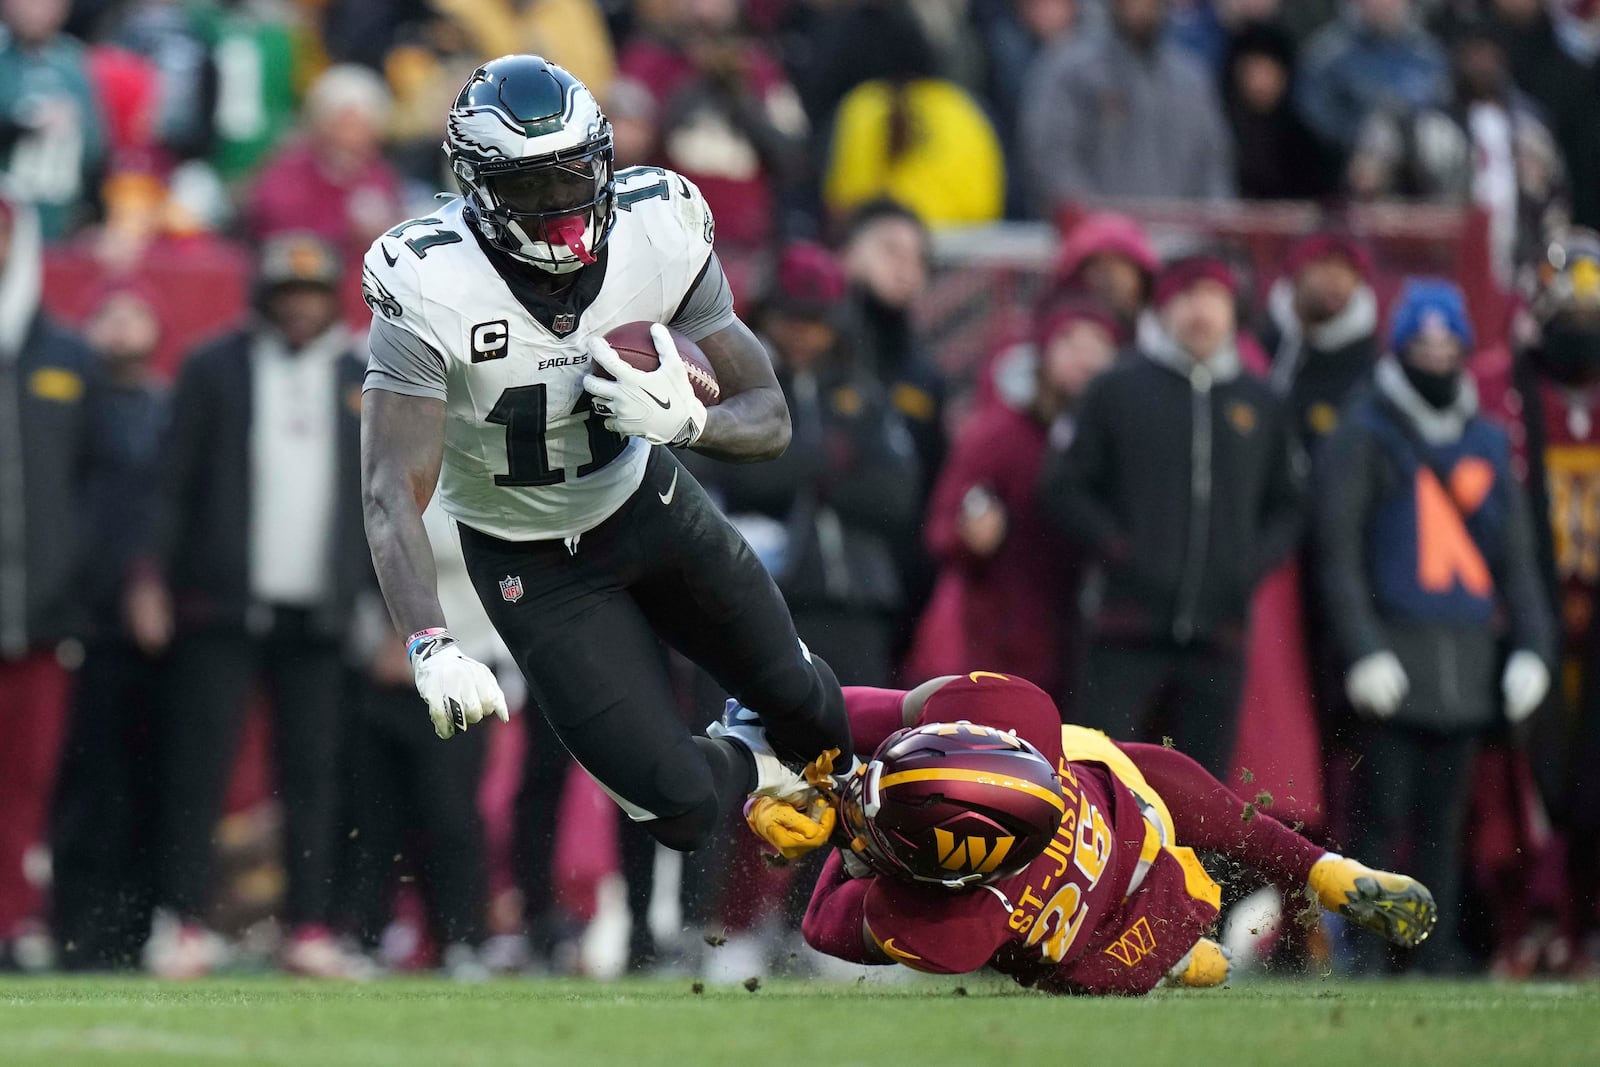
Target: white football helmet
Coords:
[[532, 152]]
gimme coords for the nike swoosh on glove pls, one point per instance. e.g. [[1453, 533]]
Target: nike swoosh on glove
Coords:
[[659, 405], [459, 690], [1376, 684]]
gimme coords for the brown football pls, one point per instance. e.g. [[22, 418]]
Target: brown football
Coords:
[[632, 342]]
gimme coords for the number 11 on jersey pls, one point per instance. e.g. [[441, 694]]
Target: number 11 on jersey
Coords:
[[524, 411]]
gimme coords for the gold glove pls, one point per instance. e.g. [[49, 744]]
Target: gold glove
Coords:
[[791, 830]]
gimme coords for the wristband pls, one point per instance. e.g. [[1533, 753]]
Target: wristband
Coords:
[[433, 636]]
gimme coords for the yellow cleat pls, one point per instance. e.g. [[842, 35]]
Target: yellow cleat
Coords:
[[1205, 967], [1393, 905]]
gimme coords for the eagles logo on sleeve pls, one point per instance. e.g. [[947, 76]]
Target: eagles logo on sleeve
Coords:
[[378, 297]]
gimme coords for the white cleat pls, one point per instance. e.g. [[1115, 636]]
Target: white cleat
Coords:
[[774, 778], [180, 951]]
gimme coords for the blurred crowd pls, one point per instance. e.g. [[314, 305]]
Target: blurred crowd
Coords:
[[1332, 530]]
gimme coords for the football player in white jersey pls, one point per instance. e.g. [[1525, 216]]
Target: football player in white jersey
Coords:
[[586, 540]]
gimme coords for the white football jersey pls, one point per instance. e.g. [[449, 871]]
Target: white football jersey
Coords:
[[525, 456]]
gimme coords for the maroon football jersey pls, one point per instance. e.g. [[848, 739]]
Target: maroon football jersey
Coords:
[[1571, 420], [1074, 919]]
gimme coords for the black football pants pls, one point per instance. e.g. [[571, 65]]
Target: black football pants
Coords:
[[583, 621]]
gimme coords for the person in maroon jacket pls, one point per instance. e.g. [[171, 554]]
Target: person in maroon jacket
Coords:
[[1007, 580], [983, 832]]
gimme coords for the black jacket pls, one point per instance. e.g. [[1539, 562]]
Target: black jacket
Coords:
[[200, 529], [119, 498], [48, 400], [1318, 370], [846, 492], [1184, 478]]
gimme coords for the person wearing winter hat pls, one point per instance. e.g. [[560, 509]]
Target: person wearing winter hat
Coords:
[[1424, 541], [1181, 479], [1109, 255], [1322, 329]]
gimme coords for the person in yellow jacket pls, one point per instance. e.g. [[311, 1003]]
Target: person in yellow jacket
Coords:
[[569, 32], [924, 142]]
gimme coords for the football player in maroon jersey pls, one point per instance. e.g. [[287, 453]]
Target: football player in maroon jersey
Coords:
[[983, 831]]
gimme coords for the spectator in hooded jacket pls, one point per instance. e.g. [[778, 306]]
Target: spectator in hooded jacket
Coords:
[[1181, 481], [1110, 257], [1124, 112], [1377, 55], [1322, 330], [919, 139], [1007, 589], [48, 416], [1276, 156], [1423, 537]]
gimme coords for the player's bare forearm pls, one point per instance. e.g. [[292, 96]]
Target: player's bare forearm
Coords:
[[402, 446], [752, 421]]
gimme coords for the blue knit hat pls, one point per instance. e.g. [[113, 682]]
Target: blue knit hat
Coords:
[[1422, 298]]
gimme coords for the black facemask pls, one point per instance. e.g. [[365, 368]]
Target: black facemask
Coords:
[[1570, 354], [1439, 390]]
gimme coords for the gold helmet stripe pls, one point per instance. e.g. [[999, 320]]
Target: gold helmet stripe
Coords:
[[961, 774]]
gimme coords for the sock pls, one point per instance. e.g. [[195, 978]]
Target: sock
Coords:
[[1208, 815], [874, 715], [733, 768]]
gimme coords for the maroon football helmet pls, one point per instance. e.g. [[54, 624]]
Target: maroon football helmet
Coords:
[[953, 804]]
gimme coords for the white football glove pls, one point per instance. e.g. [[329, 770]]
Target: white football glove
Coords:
[[659, 405], [1525, 682], [1376, 684], [459, 690]]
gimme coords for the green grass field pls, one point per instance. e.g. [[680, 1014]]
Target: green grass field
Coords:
[[67, 1022]]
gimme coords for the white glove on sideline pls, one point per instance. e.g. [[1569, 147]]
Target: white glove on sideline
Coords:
[[1525, 682], [1376, 684], [459, 690], [659, 405]]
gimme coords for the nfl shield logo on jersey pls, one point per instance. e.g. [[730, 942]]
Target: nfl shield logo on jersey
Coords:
[[562, 324], [511, 588]]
